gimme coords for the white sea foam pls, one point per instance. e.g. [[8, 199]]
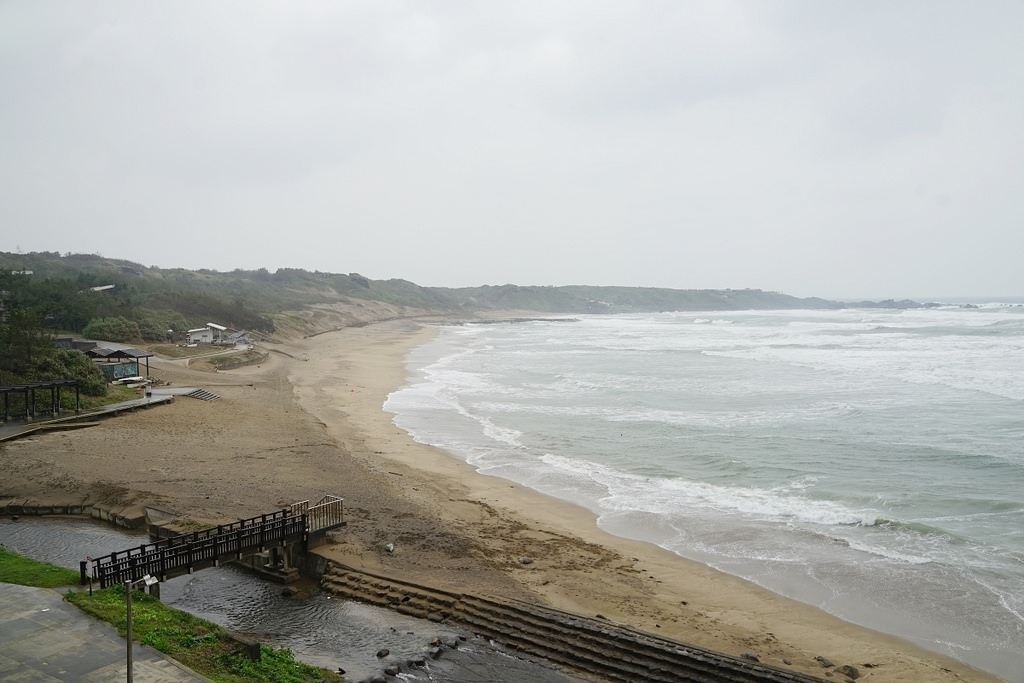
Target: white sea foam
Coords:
[[678, 497], [869, 452]]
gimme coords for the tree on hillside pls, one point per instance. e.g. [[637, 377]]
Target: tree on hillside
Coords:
[[23, 341], [28, 354], [71, 364], [116, 329]]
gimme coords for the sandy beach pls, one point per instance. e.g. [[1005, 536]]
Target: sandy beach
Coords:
[[309, 422]]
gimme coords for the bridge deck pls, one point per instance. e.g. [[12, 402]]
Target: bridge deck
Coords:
[[187, 553]]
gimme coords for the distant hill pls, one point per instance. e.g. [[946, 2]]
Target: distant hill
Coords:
[[71, 290]]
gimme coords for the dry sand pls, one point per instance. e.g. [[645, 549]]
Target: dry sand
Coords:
[[308, 422]]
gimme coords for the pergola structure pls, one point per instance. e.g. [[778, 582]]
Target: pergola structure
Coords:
[[29, 392]]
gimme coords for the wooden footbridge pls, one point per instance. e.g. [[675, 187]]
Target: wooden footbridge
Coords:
[[300, 523]]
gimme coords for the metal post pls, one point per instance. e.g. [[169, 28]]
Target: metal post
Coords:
[[128, 596], [147, 581]]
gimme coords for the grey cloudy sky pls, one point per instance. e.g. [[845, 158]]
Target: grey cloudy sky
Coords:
[[839, 149]]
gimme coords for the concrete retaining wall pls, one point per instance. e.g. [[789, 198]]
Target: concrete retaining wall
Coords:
[[130, 517]]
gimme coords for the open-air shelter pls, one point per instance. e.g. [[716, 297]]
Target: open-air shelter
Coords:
[[121, 356], [29, 391]]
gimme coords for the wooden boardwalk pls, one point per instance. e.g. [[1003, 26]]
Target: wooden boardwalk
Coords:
[[18, 429]]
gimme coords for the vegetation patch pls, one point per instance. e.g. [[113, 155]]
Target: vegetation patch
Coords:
[[198, 644], [116, 393], [238, 360], [23, 571], [178, 351]]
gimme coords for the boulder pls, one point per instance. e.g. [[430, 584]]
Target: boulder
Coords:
[[848, 671]]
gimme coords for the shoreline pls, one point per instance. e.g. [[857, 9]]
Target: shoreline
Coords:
[[644, 585], [310, 421]]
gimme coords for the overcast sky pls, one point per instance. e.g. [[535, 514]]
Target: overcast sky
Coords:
[[837, 149]]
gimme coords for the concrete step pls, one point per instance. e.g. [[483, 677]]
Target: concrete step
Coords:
[[609, 651], [203, 395]]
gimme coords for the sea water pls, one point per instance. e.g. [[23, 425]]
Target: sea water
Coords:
[[869, 462]]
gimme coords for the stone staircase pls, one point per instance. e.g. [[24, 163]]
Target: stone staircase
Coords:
[[203, 395], [592, 646]]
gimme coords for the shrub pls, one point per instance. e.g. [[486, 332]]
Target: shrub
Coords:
[[67, 364], [118, 329]]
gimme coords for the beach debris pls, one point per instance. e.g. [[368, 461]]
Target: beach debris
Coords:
[[525, 560], [382, 653], [848, 671], [390, 547], [824, 661], [750, 656]]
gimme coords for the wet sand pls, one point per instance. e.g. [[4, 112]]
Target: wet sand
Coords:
[[309, 422]]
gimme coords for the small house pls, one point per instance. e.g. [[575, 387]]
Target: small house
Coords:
[[211, 334]]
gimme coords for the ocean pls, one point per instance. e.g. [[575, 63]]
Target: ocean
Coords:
[[866, 461]]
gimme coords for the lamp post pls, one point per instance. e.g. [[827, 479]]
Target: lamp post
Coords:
[[146, 580]]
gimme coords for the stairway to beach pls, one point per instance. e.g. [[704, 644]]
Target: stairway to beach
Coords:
[[594, 646], [203, 395]]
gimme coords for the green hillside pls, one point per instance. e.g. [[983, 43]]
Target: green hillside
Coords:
[[73, 291]]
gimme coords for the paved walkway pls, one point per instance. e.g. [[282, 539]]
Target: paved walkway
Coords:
[[45, 639]]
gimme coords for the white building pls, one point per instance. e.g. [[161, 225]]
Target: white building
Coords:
[[211, 334]]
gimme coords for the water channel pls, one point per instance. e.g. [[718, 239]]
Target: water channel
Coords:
[[318, 628]]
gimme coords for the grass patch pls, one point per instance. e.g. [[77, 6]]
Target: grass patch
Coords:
[[176, 351], [116, 393], [25, 572], [238, 360], [198, 644]]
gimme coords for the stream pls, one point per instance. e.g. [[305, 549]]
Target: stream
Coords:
[[317, 627]]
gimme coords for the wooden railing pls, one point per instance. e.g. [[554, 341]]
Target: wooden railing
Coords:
[[206, 548], [186, 553]]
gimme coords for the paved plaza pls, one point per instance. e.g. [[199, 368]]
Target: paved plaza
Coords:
[[43, 638]]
